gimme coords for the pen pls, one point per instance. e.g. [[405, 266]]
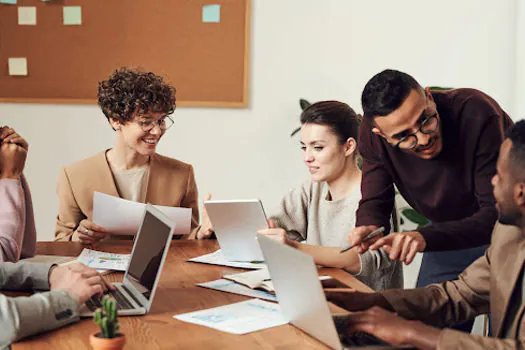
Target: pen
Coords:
[[365, 238]]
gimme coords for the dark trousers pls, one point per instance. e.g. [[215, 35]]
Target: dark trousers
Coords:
[[444, 266]]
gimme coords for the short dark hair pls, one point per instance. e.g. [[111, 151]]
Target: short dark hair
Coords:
[[339, 116], [128, 91], [386, 92], [516, 134]]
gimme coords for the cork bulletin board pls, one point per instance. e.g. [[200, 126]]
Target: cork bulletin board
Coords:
[[200, 46]]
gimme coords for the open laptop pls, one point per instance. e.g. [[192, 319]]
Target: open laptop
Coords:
[[300, 293], [135, 294], [235, 223]]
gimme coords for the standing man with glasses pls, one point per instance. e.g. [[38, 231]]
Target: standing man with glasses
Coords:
[[137, 105], [439, 148]]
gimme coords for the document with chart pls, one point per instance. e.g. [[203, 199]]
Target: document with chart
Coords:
[[239, 318]]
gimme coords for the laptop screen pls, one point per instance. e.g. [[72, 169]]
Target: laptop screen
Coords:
[[144, 266]]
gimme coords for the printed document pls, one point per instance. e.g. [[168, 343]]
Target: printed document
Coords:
[[239, 318], [105, 261], [120, 216], [216, 258]]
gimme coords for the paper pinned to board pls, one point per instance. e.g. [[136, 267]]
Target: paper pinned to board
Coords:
[[239, 318], [122, 217], [216, 258], [72, 15], [211, 14], [17, 66], [27, 15]]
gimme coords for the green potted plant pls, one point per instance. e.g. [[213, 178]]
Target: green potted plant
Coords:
[[106, 318]]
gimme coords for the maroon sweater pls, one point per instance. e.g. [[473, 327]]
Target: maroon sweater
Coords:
[[454, 189]]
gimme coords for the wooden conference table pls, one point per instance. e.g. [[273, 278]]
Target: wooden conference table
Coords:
[[176, 294]]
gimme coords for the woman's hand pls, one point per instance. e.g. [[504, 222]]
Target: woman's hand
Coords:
[[206, 229], [277, 233], [89, 233]]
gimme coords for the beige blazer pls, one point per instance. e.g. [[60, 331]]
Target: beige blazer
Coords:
[[485, 285], [171, 183]]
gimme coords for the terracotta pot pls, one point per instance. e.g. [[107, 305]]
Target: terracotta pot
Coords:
[[98, 343]]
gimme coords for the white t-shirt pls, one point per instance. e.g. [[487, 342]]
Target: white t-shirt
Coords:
[[132, 184]]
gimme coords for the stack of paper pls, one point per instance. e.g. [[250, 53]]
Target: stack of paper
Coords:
[[216, 258], [235, 288], [259, 279]]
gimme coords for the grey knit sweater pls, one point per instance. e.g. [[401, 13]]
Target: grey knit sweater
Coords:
[[306, 214]]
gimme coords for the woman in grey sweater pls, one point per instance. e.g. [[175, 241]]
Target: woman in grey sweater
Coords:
[[321, 212]]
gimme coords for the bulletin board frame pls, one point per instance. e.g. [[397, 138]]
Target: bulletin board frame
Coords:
[[241, 89]]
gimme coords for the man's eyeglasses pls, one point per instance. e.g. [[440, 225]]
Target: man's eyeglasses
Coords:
[[428, 126], [164, 123]]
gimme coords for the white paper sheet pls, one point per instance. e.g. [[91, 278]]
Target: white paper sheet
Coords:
[[235, 288], [120, 216], [103, 260], [216, 258], [239, 318]]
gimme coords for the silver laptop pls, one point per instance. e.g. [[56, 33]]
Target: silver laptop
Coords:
[[299, 292], [235, 223], [135, 294]]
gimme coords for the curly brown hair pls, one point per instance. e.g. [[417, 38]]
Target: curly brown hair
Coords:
[[129, 91]]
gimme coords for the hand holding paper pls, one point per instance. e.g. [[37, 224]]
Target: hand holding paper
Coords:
[[122, 217]]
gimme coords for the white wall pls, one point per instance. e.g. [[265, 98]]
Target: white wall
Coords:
[[316, 49]]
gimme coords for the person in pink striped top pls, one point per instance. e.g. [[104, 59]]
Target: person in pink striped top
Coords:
[[17, 222]]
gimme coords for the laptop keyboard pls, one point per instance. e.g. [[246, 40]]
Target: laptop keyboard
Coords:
[[94, 302], [356, 339]]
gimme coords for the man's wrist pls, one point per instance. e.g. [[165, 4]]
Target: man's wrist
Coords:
[[421, 335]]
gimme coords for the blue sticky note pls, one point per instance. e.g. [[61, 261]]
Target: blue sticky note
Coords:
[[10, 2], [211, 13]]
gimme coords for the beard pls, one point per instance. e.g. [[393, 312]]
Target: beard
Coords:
[[509, 218]]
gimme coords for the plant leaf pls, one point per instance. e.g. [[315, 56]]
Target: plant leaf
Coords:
[[303, 103], [295, 131], [415, 217]]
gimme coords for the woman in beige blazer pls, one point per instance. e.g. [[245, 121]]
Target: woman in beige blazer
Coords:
[[137, 106]]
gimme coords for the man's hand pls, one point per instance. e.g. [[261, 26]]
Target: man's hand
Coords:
[[348, 298], [401, 246], [355, 237], [89, 233], [277, 233], [13, 154], [393, 329], [206, 229], [78, 279]]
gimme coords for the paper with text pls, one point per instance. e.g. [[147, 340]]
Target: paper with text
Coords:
[[239, 318], [103, 260], [216, 258], [122, 217]]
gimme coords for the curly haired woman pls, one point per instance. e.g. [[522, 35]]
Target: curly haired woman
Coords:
[[138, 107]]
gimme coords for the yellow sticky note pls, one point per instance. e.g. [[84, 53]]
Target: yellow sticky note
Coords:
[[72, 15], [27, 15], [17, 66]]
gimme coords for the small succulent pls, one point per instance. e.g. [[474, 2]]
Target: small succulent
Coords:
[[106, 317]]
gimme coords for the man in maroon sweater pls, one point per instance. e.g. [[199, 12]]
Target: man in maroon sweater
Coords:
[[439, 148]]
